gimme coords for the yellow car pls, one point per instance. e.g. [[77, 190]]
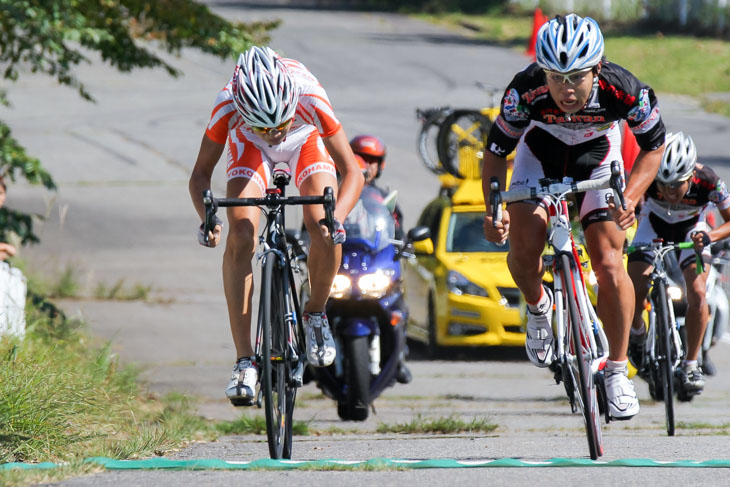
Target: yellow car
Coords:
[[459, 290]]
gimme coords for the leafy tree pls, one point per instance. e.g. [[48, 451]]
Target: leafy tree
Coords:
[[53, 36]]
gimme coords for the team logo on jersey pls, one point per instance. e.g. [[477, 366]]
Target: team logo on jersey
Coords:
[[496, 150], [513, 111], [642, 109]]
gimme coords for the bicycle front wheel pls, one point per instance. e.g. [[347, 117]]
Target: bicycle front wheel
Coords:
[[579, 344], [278, 395], [664, 352]]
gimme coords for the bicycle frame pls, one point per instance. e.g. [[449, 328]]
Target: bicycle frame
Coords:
[[582, 347], [659, 273], [560, 239], [277, 350]]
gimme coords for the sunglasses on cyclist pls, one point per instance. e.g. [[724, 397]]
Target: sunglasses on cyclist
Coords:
[[573, 78], [673, 185], [266, 130]]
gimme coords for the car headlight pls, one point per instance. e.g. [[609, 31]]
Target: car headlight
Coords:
[[592, 279], [458, 284], [675, 293], [341, 287], [374, 285]]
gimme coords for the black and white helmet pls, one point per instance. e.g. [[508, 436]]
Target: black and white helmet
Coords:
[[678, 161], [569, 43], [264, 91]]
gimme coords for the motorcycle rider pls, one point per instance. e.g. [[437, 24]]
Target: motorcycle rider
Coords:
[[373, 151], [676, 208]]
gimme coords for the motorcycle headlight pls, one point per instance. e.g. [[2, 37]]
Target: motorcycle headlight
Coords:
[[341, 287], [458, 284], [675, 293], [374, 285]]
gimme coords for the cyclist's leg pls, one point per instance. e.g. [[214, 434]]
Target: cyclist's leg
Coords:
[[247, 178], [528, 227], [615, 291], [639, 268], [697, 310], [314, 171]]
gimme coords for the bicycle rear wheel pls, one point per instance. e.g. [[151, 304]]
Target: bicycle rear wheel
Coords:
[[278, 395], [664, 353], [463, 129], [588, 396]]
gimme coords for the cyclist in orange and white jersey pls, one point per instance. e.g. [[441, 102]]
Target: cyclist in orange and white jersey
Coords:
[[273, 110]]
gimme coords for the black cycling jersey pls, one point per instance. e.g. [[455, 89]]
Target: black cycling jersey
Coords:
[[705, 187], [617, 95]]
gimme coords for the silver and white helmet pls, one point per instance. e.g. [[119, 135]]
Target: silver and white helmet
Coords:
[[678, 160], [569, 43], [264, 91]]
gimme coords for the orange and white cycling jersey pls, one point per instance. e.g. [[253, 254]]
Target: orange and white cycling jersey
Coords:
[[251, 157]]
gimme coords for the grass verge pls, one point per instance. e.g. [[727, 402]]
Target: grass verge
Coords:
[[63, 401], [669, 63], [451, 424]]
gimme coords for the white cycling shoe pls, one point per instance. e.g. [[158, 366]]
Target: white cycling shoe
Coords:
[[539, 337], [320, 343], [622, 401], [241, 391]]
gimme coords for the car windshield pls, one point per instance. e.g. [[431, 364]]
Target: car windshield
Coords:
[[370, 221], [466, 234]]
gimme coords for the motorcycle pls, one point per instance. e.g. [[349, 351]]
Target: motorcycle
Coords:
[[366, 309]]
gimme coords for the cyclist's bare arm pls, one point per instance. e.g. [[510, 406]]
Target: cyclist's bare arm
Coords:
[[352, 179], [719, 233], [492, 166], [208, 156], [642, 175]]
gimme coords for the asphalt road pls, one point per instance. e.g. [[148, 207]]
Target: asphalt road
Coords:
[[122, 212]]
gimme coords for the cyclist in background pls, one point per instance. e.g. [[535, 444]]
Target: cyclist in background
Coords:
[[562, 113], [274, 110], [373, 151], [676, 208]]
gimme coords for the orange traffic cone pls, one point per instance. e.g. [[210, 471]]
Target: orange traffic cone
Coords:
[[538, 20]]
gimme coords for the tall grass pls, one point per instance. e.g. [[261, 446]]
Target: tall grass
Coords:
[[62, 400]]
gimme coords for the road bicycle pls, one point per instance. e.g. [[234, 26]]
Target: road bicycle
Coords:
[[280, 345], [453, 140], [663, 347], [580, 343]]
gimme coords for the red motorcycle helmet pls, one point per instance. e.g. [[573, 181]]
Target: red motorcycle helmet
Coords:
[[371, 149]]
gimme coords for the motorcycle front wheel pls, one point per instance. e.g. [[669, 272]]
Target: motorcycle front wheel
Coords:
[[357, 377]]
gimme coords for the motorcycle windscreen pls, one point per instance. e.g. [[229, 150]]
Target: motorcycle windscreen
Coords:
[[370, 222]]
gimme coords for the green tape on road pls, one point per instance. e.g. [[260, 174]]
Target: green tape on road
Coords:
[[377, 463]]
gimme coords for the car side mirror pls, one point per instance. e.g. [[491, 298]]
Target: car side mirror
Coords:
[[423, 247], [418, 234]]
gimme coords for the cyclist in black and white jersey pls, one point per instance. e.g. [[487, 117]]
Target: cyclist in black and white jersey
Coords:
[[676, 208], [562, 114]]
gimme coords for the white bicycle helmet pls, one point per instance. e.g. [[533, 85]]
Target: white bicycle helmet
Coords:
[[678, 160], [569, 43], [263, 90]]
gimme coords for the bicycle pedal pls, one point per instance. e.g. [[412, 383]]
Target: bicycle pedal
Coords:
[[297, 375], [242, 402]]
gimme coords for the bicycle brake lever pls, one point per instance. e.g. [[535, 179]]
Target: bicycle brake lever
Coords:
[[615, 183], [495, 201], [211, 207]]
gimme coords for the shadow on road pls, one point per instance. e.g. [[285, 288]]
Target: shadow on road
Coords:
[[419, 352]]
